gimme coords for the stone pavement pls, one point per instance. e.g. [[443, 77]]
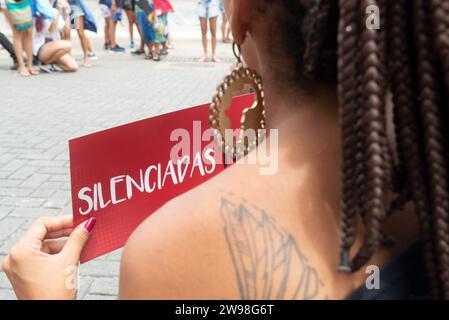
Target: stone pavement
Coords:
[[39, 114]]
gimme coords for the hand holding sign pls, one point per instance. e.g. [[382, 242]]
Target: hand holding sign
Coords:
[[122, 175]]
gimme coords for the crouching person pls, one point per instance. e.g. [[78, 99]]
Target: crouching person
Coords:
[[49, 49]]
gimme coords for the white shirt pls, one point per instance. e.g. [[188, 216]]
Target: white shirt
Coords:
[[39, 38]]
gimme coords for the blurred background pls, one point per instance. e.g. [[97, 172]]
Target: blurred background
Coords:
[[38, 114]]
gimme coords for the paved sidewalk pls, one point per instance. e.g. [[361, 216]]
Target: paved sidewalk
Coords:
[[39, 114]]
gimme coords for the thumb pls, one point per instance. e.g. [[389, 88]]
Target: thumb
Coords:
[[78, 239]]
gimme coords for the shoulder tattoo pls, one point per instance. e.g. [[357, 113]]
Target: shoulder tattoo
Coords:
[[267, 261]]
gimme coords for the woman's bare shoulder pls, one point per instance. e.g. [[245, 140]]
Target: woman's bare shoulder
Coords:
[[213, 243], [229, 251], [178, 252]]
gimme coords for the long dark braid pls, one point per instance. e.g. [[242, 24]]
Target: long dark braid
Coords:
[[347, 79], [408, 58], [434, 144], [374, 130], [441, 23], [315, 24], [406, 121]]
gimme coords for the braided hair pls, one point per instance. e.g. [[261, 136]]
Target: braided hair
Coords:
[[407, 59]]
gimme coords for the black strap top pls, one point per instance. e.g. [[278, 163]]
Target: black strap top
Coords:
[[402, 278]]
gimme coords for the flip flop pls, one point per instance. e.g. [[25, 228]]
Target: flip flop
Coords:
[[24, 73]]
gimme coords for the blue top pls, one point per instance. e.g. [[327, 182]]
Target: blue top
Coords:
[[46, 11], [44, 8]]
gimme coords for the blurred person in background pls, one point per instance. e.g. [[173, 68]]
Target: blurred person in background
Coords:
[[208, 10], [49, 50], [105, 8], [225, 26], [128, 6], [5, 43], [83, 19], [19, 15], [143, 8], [162, 9], [116, 10]]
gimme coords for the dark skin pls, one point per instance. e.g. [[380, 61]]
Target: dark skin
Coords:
[[163, 259], [191, 258], [246, 235]]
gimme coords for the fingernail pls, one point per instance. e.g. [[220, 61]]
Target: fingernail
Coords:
[[90, 224]]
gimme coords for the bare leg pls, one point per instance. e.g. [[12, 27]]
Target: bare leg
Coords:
[[164, 48], [150, 49], [224, 22], [142, 40], [107, 27], [150, 52], [170, 40], [28, 45], [157, 50], [213, 32], [112, 33], [67, 63], [130, 16], [18, 49], [65, 33], [228, 33], [85, 42], [203, 22], [53, 51]]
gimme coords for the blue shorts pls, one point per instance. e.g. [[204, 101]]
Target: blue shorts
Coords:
[[106, 11], [117, 15], [208, 9], [146, 28]]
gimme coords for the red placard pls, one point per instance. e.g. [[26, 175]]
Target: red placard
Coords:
[[120, 174]]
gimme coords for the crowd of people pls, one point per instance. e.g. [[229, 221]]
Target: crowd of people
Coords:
[[41, 31]]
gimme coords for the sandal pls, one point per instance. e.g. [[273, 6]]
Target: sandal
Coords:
[[156, 58], [149, 57], [24, 72]]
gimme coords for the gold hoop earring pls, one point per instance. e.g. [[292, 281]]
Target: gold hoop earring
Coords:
[[252, 117]]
